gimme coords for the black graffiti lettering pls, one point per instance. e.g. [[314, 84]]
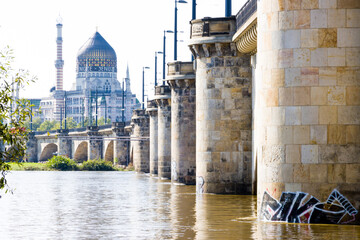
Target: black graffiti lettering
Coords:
[[268, 201], [335, 195], [286, 201]]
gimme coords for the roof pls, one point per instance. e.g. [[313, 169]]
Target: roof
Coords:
[[96, 47]]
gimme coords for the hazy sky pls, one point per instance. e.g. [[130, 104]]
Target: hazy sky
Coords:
[[134, 28]]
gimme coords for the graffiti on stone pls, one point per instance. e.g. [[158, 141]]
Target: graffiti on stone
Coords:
[[293, 208], [174, 175], [199, 184]]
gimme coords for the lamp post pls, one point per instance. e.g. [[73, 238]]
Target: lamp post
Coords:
[[175, 28], [156, 53], [164, 51], [143, 85], [227, 8], [123, 95]]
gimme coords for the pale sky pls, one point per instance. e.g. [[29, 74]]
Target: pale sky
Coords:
[[134, 28]]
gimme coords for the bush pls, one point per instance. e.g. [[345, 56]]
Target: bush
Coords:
[[97, 165], [61, 163]]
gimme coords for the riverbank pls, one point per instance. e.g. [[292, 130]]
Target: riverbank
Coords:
[[33, 166]]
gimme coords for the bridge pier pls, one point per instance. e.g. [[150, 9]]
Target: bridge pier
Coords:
[[223, 108], [31, 148], [163, 98], [64, 143], [140, 147], [121, 146], [181, 79], [152, 110], [95, 143], [308, 104]]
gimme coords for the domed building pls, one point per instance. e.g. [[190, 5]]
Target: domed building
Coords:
[[96, 93]]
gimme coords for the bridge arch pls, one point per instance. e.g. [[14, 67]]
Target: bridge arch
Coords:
[[48, 151], [109, 152], [81, 152]]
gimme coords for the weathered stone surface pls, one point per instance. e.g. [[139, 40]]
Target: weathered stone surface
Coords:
[[163, 100], [223, 114], [183, 130], [139, 140], [152, 109]]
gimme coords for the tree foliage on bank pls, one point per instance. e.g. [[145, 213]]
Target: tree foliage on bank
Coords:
[[13, 113]]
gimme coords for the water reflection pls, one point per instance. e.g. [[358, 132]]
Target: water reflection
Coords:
[[118, 205]]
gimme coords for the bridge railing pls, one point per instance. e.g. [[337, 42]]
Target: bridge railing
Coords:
[[82, 129], [245, 12]]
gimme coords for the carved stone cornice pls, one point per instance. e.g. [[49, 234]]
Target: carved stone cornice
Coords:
[[139, 116], [163, 102], [182, 83], [246, 36], [213, 37]]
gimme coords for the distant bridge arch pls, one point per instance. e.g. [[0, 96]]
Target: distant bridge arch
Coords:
[[48, 151], [81, 152], [109, 152]]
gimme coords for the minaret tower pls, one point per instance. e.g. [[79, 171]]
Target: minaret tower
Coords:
[[128, 110], [59, 64]]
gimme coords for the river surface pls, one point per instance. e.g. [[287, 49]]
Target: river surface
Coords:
[[126, 205]]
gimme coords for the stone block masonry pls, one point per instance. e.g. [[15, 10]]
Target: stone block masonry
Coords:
[[307, 106], [181, 79], [152, 110], [139, 141], [121, 146], [223, 108], [163, 100], [95, 143]]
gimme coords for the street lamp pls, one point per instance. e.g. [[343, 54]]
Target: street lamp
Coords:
[[227, 8], [164, 51], [175, 28], [156, 53], [123, 95], [142, 103]]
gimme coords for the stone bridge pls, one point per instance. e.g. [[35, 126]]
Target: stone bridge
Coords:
[[108, 142]]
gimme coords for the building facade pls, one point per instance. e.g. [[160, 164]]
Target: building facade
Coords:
[[96, 93]]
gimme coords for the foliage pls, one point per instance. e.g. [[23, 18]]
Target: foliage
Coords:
[[101, 121], [46, 125], [70, 123], [97, 165], [61, 163], [28, 166], [13, 114], [35, 124]]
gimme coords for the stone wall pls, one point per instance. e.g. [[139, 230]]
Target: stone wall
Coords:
[[95, 147], [181, 79], [152, 110], [121, 144], [163, 100], [308, 98], [140, 141], [223, 108]]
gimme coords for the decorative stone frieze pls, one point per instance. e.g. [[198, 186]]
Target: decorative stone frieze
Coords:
[[181, 79], [223, 108], [163, 100], [152, 110], [140, 141]]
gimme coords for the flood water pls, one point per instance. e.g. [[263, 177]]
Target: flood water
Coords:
[[126, 205]]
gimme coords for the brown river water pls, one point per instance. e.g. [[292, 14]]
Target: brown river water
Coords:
[[126, 205]]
